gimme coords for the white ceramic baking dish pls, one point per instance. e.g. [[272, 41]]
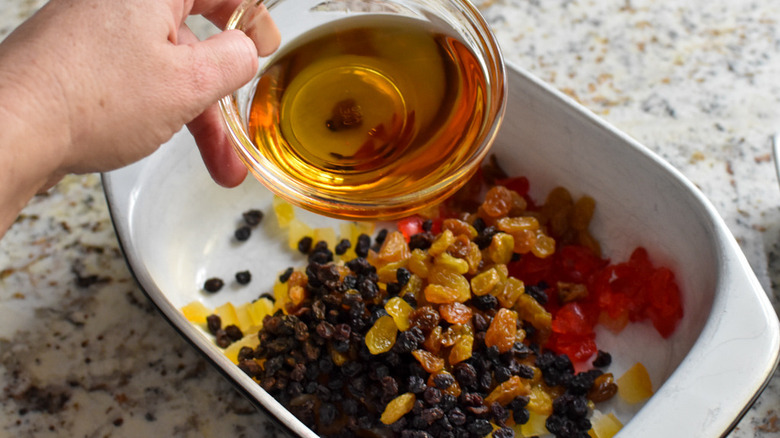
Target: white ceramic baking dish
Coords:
[[174, 225]]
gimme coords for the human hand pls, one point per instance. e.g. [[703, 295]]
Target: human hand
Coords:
[[105, 83]]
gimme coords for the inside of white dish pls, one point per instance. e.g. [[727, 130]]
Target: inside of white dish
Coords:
[[181, 224]]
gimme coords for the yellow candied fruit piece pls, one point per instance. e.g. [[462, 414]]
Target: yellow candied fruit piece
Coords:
[[501, 248], [394, 248], [509, 294], [604, 426], [327, 235], [442, 242], [397, 408], [259, 309], [512, 225], [348, 230], [400, 310], [280, 296], [451, 263], [196, 312], [227, 314], [232, 350], [380, 338], [530, 310], [388, 272], [284, 211], [484, 282], [364, 228], [535, 426], [462, 349], [243, 317], [419, 263], [507, 391], [540, 401], [635, 386], [544, 246], [297, 230], [429, 361]]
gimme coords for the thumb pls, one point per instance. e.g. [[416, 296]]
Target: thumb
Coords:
[[221, 64]]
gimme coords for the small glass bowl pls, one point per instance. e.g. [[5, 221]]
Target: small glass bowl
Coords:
[[296, 17]]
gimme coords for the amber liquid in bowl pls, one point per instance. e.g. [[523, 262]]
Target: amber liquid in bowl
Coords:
[[370, 107]]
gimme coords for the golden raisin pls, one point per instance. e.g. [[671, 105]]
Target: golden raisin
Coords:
[[388, 272], [513, 224], [442, 242], [459, 227], [462, 349], [397, 408], [474, 258], [518, 204], [455, 313], [444, 276], [507, 391], [540, 401], [429, 361], [413, 287], [530, 310], [502, 331], [508, 295], [297, 278], [419, 263], [498, 202], [484, 282], [433, 341], [451, 263], [544, 246], [582, 213], [400, 310], [297, 295], [394, 248], [380, 338], [438, 294], [460, 247], [501, 248]]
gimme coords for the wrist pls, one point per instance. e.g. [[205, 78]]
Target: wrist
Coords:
[[33, 137]]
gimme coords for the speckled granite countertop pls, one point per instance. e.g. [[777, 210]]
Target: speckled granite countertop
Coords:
[[83, 353]]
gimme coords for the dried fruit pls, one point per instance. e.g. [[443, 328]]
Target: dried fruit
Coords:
[[397, 408], [381, 336], [455, 313], [502, 332], [634, 385], [400, 311], [429, 361], [507, 391]]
